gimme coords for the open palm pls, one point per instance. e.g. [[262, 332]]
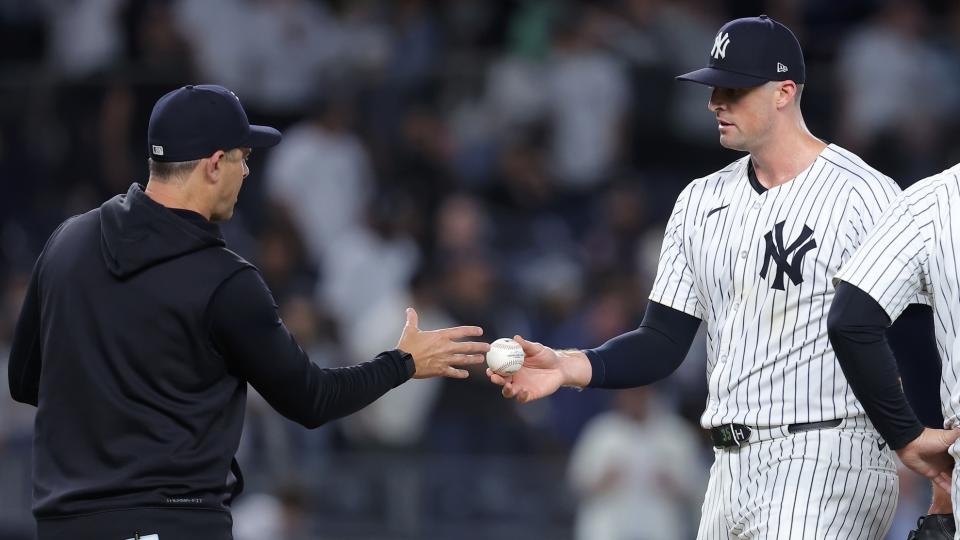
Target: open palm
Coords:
[[541, 375]]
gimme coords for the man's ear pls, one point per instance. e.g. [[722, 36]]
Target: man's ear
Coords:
[[786, 93], [213, 164]]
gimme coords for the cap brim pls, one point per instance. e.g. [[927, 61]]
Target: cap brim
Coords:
[[262, 137], [721, 79]]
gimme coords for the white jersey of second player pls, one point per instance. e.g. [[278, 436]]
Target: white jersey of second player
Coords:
[[757, 266], [915, 249]]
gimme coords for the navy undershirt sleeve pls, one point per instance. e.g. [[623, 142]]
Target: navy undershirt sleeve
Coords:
[[247, 330], [857, 326], [915, 347], [645, 355]]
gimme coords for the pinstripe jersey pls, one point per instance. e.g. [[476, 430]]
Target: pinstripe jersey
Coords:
[[757, 268], [915, 250]]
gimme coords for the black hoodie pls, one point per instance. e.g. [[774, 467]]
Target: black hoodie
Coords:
[[137, 338]]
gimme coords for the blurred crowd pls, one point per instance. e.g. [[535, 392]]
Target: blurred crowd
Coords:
[[508, 164]]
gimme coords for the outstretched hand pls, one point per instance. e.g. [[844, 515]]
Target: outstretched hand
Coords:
[[544, 371], [436, 352], [927, 455]]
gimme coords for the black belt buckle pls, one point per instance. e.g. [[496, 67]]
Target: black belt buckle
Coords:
[[730, 435]]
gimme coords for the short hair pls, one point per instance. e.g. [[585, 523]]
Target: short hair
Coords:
[[167, 170]]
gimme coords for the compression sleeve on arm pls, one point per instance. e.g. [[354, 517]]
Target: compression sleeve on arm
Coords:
[[857, 326], [915, 348], [248, 332], [645, 355]]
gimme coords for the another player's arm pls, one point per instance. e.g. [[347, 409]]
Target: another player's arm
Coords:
[[873, 289]]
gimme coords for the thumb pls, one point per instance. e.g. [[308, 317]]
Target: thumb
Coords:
[[529, 348], [412, 319], [949, 436]]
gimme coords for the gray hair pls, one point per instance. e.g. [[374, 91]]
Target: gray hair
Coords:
[[167, 170]]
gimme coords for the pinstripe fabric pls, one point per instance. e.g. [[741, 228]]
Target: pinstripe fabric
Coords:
[[914, 250], [757, 268], [769, 360], [816, 485]]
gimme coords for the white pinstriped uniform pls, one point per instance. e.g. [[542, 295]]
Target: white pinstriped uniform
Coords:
[[915, 250], [757, 268]]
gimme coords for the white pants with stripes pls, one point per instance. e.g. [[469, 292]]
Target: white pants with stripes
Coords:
[[814, 485]]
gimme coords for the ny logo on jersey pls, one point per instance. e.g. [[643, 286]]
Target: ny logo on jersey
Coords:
[[720, 43], [779, 255]]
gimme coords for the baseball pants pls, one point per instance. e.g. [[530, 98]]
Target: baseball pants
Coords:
[[838, 483]]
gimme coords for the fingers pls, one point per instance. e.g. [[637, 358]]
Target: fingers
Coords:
[[948, 436], [468, 347], [455, 373], [509, 390], [467, 359], [412, 319], [943, 481], [496, 378], [459, 332], [530, 348]]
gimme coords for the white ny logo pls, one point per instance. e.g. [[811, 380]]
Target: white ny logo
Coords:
[[720, 43]]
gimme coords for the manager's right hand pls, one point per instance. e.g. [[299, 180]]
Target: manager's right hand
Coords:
[[436, 352]]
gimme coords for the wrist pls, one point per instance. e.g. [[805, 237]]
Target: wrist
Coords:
[[575, 367]]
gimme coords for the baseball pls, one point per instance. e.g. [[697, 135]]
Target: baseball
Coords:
[[505, 356]]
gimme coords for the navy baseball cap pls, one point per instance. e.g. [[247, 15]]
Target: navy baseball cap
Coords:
[[197, 120], [749, 52]]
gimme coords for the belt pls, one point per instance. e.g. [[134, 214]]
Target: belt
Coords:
[[736, 435]]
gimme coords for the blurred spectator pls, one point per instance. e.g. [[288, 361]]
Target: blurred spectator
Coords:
[[880, 67], [86, 36], [587, 93], [210, 27], [278, 516], [322, 175], [291, 43], [637, 473], [399, 419]]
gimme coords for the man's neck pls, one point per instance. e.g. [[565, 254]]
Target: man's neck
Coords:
[[784, 157], [172, 194]]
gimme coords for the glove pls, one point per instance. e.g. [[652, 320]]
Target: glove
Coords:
[[934, 527]]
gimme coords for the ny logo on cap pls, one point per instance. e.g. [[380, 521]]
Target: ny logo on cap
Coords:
[[720, 43]]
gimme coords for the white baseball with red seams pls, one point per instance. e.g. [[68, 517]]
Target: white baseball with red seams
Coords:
[[505, 356]]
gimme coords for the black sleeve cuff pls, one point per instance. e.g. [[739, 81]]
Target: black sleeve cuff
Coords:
[[598, 368], [403, 364]]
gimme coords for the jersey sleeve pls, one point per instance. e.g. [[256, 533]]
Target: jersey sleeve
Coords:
[[674, 285], [866, 204], [892, 263]]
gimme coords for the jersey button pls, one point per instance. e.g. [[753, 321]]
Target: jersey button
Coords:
[[756, 206], [735, 306], [743, 254]]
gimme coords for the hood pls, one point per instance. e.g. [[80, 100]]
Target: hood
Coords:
[[136, 233]]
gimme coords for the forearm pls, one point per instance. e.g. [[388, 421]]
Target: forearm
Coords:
[[645, 355], [857, 326], [248, 332], [331, 393], [911, 337]]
